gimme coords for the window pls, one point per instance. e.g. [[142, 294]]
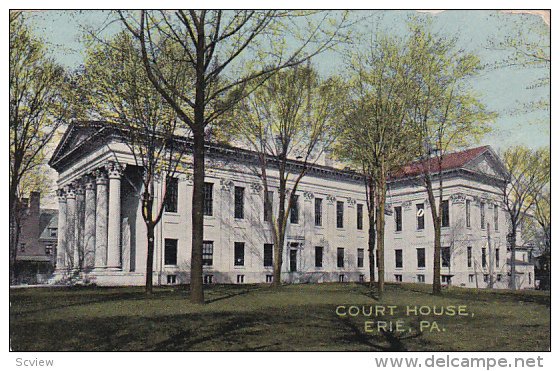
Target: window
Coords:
[[318, 212], [53, 232], [471, 278], [360, 216], [486, 276], [268, 248], [207, 253], [398, 218], [240, 278], [208, 200], [341, 278], [268, 202], [469, 256], [208, 278], [497, 258], [340, 257], [420, 216], [360, 258], [446, 279], [239, 198], [269, 278], [294, 210], [362, 278], [499, 277], [318, 256], [171, 195], [420, 278], [398, 277], [22, 247], [483, 257], [445, 256], [445, 213], [496, 217], [398, 258], [421, 257], [482, 222], [530, 278], [48, 250], [170, 251], [468, 213], [339, 214], [171, 279], [239, 253]]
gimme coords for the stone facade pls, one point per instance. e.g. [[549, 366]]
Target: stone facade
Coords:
[[103, 235]]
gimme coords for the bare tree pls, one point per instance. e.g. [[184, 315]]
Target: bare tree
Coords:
[[226, 51], [374, 131], [520, 191], [114, 87], [37, 109], [445, 115], [290, 117]]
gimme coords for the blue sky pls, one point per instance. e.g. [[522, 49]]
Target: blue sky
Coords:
[[502, 89]]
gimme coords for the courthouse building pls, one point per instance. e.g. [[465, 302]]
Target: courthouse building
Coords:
[[102, 235]]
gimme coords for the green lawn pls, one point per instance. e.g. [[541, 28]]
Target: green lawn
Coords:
[[295, 317]]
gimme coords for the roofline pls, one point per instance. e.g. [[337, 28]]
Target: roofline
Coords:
[[220, 148]]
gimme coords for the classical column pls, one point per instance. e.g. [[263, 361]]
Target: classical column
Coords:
[[79, 225], [89, 223], [70, 223], [115, 171], [101, 214], [61, 245]]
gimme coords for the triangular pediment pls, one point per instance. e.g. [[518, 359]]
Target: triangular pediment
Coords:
[[74, 136], [487, 163]]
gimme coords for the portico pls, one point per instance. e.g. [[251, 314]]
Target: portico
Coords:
[[90, 221]]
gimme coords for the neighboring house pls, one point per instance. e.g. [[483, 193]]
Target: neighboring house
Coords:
[[102, 232], [36, 249]]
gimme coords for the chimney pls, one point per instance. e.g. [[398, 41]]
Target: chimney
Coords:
[[35, 202], [328, 158]]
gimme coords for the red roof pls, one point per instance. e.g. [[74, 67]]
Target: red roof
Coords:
[[455, 160]]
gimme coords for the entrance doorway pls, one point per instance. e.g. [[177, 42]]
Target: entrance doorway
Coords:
[[293, 260]]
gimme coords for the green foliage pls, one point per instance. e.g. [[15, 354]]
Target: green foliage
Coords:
[[527, 47], [528, 183], [37, 104], [447, 114], [113, 87], [292, 115], [376, 107]]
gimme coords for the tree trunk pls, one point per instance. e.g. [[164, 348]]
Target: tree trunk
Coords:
[[371, 230], [150, 258], [278, 253], [490, 254], [197, 293], [380, 232], [513, 241], [281, 232], [436, 284], [14, 230], [371, 248]]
